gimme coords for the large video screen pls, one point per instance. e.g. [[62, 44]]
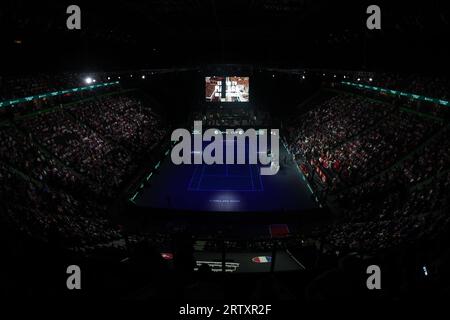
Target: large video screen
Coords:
[[227, 89]]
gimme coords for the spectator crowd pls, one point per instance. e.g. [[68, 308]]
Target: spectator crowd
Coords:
[[384, 170], [61, 168]]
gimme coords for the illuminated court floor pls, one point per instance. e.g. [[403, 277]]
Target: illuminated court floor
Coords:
[[232, 187], [243, 177]]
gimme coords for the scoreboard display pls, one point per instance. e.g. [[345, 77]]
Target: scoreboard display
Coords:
[[227, 89]]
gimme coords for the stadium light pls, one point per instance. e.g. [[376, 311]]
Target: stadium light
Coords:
[[143, 77], [109, 78], [94, 81], [88, 80], [370, 79]]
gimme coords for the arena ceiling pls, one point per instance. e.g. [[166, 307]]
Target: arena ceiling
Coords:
[[302, 33]]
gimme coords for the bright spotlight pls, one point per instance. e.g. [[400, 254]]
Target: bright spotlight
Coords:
[[370, 79], [143, 77], [88, 80], [109, 78], [94, 81]]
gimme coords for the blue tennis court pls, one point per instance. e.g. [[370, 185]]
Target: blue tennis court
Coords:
[[226, 177], [226, 187]]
